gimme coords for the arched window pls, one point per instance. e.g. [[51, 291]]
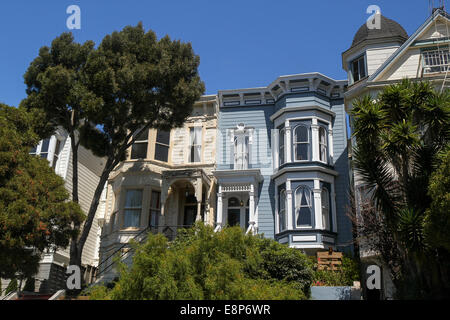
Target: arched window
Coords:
[[325, 196], [281, 149], [323, 144], [303, 208], [282, 211], [301, 142]]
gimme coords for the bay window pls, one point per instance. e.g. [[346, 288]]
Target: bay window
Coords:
[[301, 143], [325, 197], [323, 144], [133, 208], [139, 147], [282, 147], [162, 145], [155, 208], [303, 207]]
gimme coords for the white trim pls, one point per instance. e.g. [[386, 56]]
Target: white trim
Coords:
[[304, 238]]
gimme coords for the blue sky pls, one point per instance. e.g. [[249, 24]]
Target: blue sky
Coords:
[[241, 43]]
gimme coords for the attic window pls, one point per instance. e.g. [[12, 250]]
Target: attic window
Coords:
[[358, 68], [436, 61]]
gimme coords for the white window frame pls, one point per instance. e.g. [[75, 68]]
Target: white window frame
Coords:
[[194, 145], [436, 61], [137, 208], [360, 76], [140, 142], [325, 205], [162, 144], [298, 206], [282, 147], [308, 143], [323, 145]]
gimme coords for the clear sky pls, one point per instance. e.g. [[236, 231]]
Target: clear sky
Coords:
[[241, 43]]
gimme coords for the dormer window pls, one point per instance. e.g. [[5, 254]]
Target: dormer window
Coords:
[[436, 61], [358, 68]]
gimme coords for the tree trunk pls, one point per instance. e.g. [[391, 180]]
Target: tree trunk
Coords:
[[73, 244]]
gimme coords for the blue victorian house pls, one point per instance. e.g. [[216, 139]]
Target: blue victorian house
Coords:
[[282, 162]]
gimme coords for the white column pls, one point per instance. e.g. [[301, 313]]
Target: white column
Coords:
[[289, 205], [317, 205], [315, 140], [277, 221], [252, 206], [330, 144], [276, 148], [287, 142], [333, 207], [219, 208]]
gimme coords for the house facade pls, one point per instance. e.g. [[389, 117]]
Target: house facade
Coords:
[[380, 57], [165, 184], [282, 162]]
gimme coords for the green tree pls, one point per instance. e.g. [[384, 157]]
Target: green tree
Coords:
[[398, 136], [201, 264], [111, 95], [35, 214]]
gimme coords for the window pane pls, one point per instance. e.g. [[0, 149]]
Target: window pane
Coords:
[[281, 150], [143, 136], [139, 151], [161, 152], [301, 134], [33, 150], [198, 135], [155, 201], [133, 199], [131, 218], [197, 153], [325, 209], [304, 216], [301, 151], [362, 69], [45, 144], [163, 137]]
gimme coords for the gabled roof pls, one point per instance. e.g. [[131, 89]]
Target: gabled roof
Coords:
[[408, 43]]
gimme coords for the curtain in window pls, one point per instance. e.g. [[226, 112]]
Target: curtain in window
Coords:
[[323, 144], [195, 142], [133, 206], [325, 196], [303, 206]]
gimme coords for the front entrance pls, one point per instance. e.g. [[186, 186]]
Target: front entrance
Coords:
[[237, 213], [190, 213]]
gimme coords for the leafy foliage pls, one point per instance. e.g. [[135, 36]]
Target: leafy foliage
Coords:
[[202, 264], [105, 97], [398, 137], [35, 213]]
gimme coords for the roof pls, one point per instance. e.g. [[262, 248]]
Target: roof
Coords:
[[389, 29]]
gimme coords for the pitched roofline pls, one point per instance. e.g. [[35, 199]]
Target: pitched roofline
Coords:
[[408, 42]]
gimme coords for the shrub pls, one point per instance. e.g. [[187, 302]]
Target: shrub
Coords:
[[201, 264]]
